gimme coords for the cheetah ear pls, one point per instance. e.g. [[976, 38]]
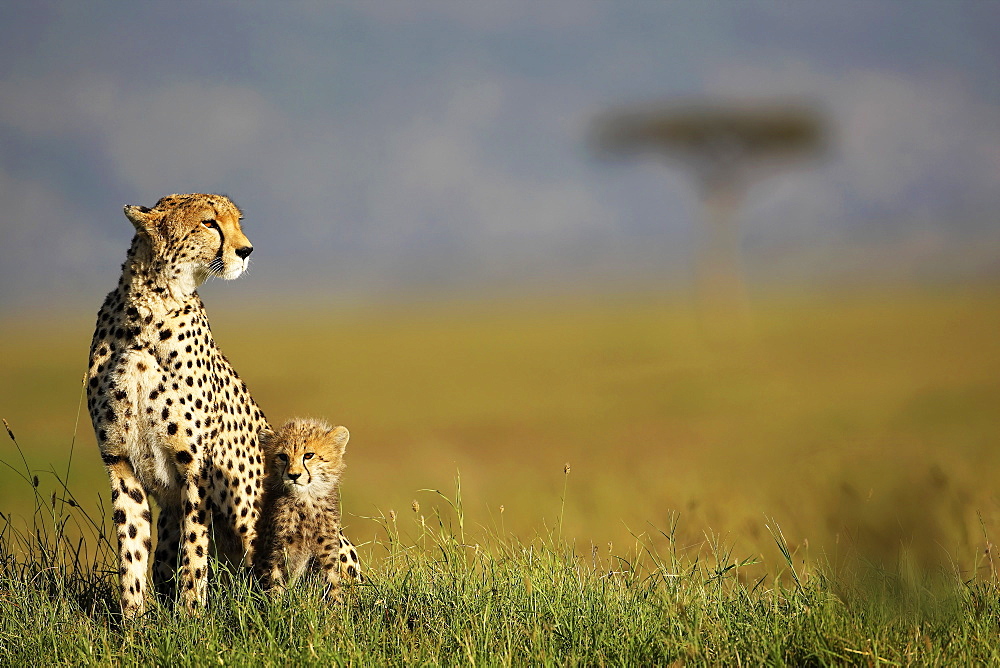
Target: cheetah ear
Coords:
[[142, 218], [264, 437], [339, 436]]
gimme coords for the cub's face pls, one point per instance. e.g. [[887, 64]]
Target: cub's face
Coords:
[[305, 457], [194, 237]]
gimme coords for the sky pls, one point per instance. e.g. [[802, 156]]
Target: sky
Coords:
[[382, 148]]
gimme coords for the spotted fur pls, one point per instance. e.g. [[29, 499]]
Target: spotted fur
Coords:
[[172, 418], [300, 522]]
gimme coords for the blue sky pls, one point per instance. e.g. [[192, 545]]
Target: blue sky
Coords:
[[377, 146]]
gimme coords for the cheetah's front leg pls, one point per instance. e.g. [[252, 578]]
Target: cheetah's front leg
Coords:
[[194, 541], [168, 535], [132, 519]]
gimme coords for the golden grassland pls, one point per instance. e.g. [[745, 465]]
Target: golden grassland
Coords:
[[863, 424]]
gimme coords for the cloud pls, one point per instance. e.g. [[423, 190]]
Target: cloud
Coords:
[[152, 140], [902, 146], [47, 247], [176, 135], [401, 142], [185, 134], [489, 17], [455, 171], [446, 172]]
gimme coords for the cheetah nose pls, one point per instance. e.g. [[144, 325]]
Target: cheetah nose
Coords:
[[293, 476], [244, 252]]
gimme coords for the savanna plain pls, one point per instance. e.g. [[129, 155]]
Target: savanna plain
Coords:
[[598, 480]]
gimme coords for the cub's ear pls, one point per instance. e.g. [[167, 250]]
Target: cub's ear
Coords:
[[264, 437], [142, 218], [338, 437]]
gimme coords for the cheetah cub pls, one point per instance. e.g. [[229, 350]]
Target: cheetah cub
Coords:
[[300, 519]]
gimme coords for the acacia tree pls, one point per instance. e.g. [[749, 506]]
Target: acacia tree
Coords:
[[726, 147]]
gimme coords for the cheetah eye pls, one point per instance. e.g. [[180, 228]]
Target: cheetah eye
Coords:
[[282, 457], [309, 455], [209, 224]]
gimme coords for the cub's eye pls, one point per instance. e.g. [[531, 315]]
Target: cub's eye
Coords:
[[282, 457], [209, 224], [309, 455]]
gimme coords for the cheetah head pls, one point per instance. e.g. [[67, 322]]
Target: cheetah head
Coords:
[[190, 238], [305, 457]]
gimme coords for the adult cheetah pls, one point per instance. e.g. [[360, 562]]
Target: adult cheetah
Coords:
[[172, 418]]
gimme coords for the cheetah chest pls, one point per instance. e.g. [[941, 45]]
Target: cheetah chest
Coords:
[[175, 397], [304, 528]]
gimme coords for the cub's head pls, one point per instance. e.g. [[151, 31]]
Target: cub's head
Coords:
[[305, 457], [192, 237]]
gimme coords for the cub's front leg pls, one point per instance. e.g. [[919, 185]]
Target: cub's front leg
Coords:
[[272, 569]]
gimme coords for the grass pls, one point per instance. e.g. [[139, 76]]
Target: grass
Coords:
[[818, 490], [437, 593]]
